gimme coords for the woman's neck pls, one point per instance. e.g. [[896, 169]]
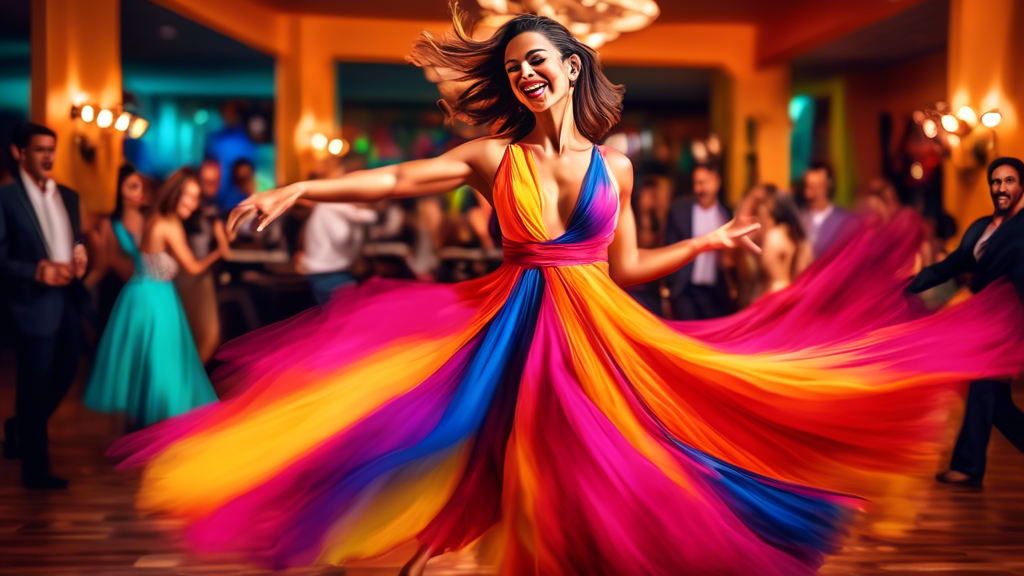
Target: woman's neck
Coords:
[[547, 131]]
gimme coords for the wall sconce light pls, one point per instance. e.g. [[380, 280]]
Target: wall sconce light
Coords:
[[104, 119], [121, 119], [334, 146], [138, 127], [961, 132], [992, 118], [319, 141]]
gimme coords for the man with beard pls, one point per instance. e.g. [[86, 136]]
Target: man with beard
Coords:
[[991, 248]]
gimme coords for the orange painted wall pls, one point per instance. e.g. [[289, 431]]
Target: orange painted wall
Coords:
[[76, 48], [898, 89]]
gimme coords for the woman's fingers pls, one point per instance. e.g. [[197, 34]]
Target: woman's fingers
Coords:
[[750, 245], [239, 215]]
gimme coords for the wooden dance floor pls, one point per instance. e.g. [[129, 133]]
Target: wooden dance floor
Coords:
[[93, 529]]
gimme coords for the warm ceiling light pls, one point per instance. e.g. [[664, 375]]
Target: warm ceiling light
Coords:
[[916, 171], [138, 127], [336, 146], [319, 141], [105, 118], [931, 130], [992, 118], [594, 22], [123, 121], [966, 113], [950, 123], [953, 139], [88, 113]]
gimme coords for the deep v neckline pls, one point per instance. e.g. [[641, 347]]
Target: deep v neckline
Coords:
[[540, 188]]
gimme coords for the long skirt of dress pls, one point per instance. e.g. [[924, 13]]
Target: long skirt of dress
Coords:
[[543, 401], [146, 363]]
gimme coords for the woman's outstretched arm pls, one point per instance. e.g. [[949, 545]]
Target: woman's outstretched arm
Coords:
[[465, 164], [629, 265]]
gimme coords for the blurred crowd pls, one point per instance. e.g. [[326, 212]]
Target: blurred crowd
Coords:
[[301, 259]]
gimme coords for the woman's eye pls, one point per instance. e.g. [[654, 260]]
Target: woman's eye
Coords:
[[537, 62], [513, 69]]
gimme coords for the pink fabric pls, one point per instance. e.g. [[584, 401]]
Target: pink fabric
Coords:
[[546, 255], [853, 290]]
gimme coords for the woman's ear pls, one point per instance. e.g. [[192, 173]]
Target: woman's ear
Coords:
[[575, 67]]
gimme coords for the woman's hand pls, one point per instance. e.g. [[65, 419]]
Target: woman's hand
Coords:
[[265, 207], [223, 243], [733, 234]]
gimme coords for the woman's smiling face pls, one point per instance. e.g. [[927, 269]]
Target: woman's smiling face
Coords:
[[535, 69]]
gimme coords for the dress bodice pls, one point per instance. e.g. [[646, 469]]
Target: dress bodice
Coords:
[[160, 266], [519, 204]]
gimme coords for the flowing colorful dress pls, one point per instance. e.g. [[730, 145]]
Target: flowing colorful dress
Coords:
[[543, 399]]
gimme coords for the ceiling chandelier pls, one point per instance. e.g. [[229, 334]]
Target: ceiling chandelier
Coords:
[[594, 22]]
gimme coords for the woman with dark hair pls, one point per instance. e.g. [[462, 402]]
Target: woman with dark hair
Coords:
[[114, 243], [785, 251], [541, 397], [146, 364]]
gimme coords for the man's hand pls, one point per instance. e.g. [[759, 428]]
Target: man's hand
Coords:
[[81, 261], [54, 274]]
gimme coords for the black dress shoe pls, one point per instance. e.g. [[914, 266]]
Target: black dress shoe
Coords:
[[11, 451], [957, 478], [45, 483]]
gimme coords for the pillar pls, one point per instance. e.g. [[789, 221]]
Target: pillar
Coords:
[[76, 49], [306, 97], [750, 113], [986, 52]]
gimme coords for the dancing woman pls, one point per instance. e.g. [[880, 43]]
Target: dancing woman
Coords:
[[147, 366], [541, 400]]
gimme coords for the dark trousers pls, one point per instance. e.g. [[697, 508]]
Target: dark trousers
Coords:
[[989, 403], [325, 284], [46, 369], [701, 303], [649, 296]]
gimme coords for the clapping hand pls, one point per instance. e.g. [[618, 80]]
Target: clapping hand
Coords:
[[733, 234], [54, 273]]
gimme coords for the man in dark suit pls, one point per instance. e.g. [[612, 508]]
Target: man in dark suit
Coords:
[[823, 222], [991, 248], [699, 290], [41, 264]]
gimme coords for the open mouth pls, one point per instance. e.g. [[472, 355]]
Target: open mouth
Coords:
[[534, 89]]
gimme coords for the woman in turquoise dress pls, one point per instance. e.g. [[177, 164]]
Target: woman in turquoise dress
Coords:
[[147, 366]]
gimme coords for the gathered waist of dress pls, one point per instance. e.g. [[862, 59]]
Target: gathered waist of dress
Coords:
[[551, 255]]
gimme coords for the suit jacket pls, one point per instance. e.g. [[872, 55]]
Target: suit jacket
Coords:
[[680, 227], [832, 229], [34, 308], [1003, 256]]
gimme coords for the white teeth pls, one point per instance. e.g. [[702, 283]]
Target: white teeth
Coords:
[[534, 88]]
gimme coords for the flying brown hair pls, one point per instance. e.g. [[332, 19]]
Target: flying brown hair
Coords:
[[597, 103]]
